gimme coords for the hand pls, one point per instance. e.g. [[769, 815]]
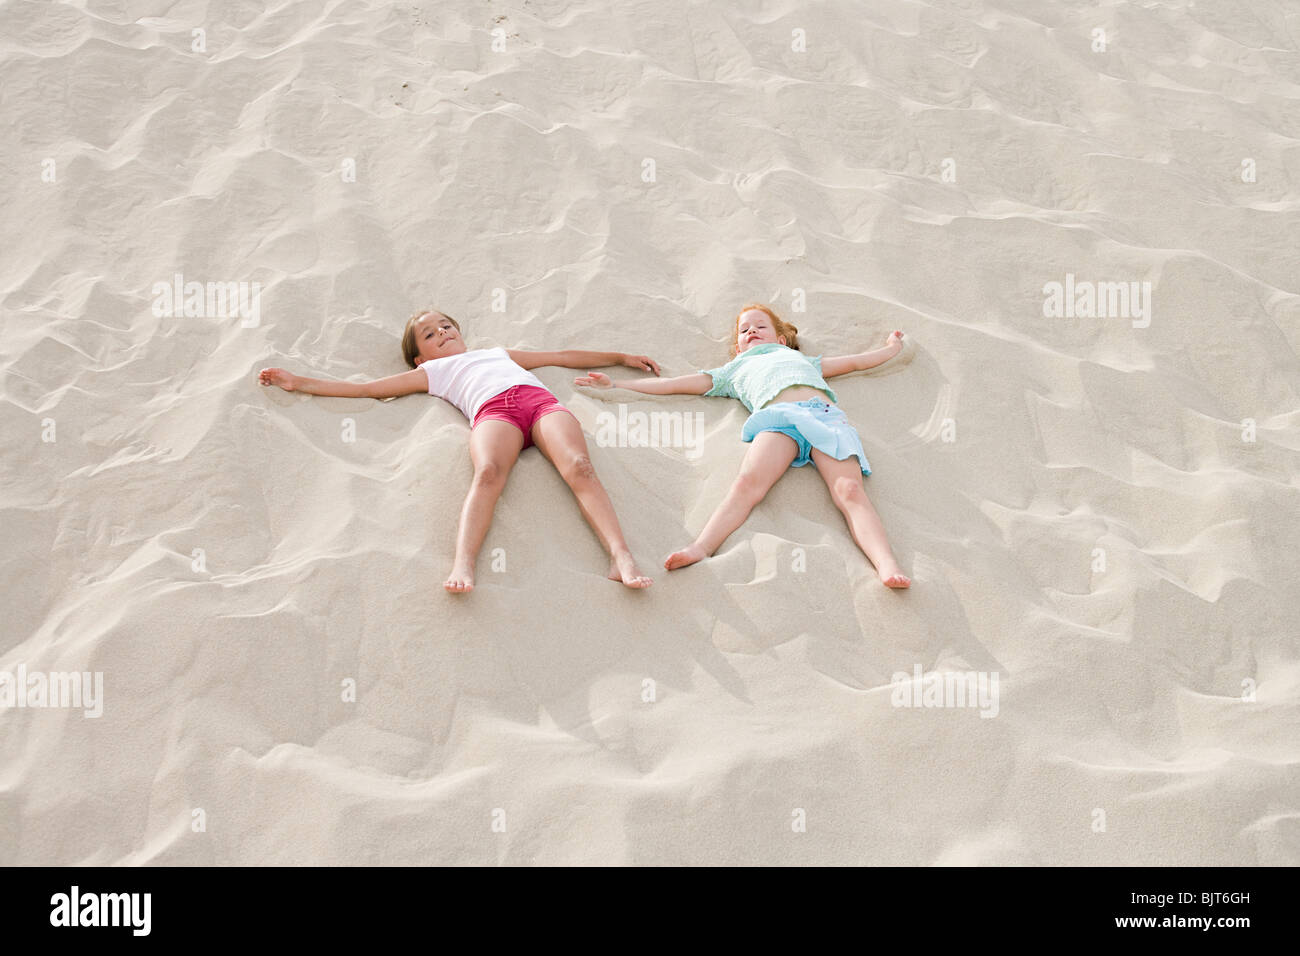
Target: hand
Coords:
[[278, 376], [643, 362], [594, 379]]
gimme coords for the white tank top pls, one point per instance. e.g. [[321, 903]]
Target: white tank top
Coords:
[[471, 378]]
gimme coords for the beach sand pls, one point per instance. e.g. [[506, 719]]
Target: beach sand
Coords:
[[1099, 512]]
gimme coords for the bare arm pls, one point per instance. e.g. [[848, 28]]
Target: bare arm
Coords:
[[843, 364], [404, 383], [580, 358], [696, 384]]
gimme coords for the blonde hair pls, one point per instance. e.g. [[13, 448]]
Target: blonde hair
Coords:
[[785, 329], [411, 348]]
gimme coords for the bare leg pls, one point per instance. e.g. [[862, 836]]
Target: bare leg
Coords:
[[844, 479], [559, 437], [493, 448], [768, 458]]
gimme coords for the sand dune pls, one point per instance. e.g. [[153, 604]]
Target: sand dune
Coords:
[[1099, 512]]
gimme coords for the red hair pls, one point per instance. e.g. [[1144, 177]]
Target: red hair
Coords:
[[783, 329]]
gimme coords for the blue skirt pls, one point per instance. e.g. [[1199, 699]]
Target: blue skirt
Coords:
[[812, 424]]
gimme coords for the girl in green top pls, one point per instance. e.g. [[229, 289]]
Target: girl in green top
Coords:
[[793, 420]]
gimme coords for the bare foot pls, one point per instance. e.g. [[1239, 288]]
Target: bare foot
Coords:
[[623, 569], [684, 557], [893, 577], [460, 580]]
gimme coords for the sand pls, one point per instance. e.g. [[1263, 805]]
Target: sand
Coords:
[[1098, 509]]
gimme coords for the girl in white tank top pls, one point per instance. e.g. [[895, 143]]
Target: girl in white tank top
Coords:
[[509, 409]]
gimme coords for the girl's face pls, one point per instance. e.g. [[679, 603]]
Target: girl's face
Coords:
[[436, 337], [755, 328]]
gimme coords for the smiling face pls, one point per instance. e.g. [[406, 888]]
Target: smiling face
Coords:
[[435, 336], [755, 327]]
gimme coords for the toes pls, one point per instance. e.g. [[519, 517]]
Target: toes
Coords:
[[680, 559]]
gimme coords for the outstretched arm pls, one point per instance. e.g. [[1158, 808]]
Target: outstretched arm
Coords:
[[580, 358], [696, 384], [404, 383], [843, 364]]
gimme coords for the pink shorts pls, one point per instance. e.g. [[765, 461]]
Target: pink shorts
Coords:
[[521, 406]]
